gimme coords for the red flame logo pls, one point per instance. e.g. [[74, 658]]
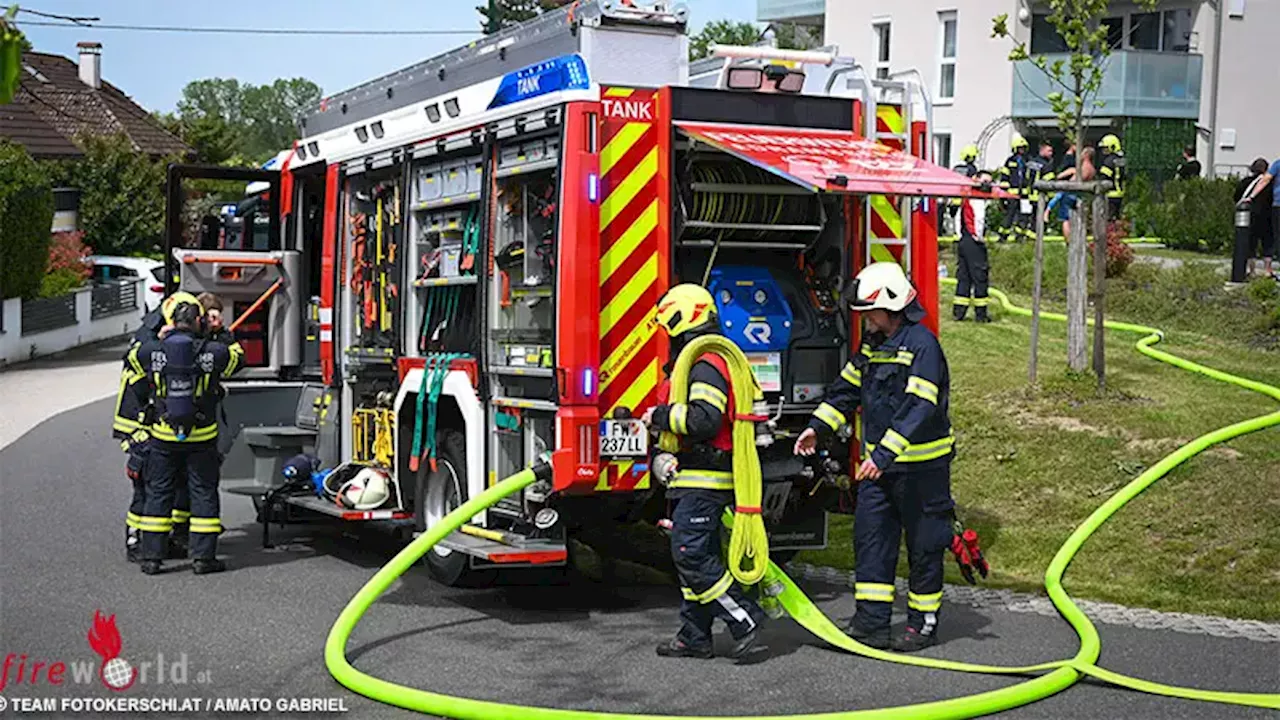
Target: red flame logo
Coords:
[[104, 638]]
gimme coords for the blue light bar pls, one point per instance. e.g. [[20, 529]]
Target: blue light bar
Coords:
[[588, 382], [593, 187], [567, 72]]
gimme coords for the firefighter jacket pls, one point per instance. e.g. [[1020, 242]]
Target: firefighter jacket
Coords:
[[1112, 168], [1038, 168], [704, 425], [973, 219], [214, 361], [1013, 175], [127, 422], [903, 387]]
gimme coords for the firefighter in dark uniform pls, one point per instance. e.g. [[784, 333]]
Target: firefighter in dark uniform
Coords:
[[967, 168], [702, 486], [901, 381], [183, 371], [1013, 177], [1040, 167], [128, 427], [1112, 168], [971, 258]]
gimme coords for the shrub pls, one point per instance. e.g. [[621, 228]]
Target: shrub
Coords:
[[1198, 214], [26, 213], [1119, 254], [59, 283], [122, 195], [67, 252]]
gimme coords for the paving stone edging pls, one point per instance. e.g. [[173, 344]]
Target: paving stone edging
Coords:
[[1100, 612]]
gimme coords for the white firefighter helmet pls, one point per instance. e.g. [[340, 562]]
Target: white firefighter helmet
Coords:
[[368, 490], [881, 286]]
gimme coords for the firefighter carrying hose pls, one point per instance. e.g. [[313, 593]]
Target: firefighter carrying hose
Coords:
[[182, 371], [971, 258], [900, 379], [699, 480], [128, 427]]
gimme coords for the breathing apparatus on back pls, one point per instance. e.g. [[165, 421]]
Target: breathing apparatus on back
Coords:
[[180, 384]]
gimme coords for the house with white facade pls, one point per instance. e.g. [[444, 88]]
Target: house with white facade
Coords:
[[1187, 71]]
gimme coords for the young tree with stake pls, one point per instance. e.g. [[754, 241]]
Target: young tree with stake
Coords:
[[1077, 80]]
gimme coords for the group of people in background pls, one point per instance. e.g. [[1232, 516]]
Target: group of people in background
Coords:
[[1022, 170]]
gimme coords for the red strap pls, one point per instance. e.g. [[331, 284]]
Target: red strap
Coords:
[[747, 510], [751, 418]]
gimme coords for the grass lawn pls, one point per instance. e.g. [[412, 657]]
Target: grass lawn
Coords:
[[1032, 465]]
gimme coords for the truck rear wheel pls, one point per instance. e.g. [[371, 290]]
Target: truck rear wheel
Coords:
[[438, 494]]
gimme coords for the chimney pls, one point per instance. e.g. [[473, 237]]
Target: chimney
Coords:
[[91, 64]]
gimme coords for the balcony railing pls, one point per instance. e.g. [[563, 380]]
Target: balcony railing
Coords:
[[1134, 84], [791, 10]]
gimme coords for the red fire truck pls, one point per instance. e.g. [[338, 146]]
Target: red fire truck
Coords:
[[462, 258]]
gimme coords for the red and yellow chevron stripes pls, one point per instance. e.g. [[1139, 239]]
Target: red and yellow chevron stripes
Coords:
[[889, 121], [630, 263], [886, 239]]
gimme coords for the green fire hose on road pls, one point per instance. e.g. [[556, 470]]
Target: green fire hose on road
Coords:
[[1062, 674]]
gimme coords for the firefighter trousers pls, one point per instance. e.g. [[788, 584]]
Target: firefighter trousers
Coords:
[[181, 513], [920, 503], [198, 464], [708, 588], [971, 278], [1015, 225]]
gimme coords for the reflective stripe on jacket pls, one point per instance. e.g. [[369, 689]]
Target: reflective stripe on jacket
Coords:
[[903, 387]]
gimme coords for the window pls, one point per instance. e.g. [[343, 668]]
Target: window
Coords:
[[882, 38], [1045, 37], [942, 149], [1115, 32], [1144, 31], [947, 56]]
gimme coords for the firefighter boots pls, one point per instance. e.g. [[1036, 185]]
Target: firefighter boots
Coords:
[[913, 640], [878, 639], [677, 648], [206, 566], [132, 545]]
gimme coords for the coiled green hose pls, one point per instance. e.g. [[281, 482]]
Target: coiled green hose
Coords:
[[748, 541], [1061, 676]]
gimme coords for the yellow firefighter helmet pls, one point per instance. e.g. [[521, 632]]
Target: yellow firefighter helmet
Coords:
[[685, 307], [172, 302]]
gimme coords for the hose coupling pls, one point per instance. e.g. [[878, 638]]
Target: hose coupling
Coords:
[[664, 467]]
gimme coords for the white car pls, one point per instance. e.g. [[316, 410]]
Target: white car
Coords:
[[122, 268]]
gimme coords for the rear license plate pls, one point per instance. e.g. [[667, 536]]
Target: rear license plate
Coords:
[[623, 438]]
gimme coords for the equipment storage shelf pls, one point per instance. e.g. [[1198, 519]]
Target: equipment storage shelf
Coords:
[[522, 296], [445, 224], [374, 240], [727, 202], [525, 155]]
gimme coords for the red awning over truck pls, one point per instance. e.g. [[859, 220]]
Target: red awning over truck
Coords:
[[835, 161]]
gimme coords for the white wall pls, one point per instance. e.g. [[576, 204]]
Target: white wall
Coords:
[[1247, 100], [15, 348], [984, 76]]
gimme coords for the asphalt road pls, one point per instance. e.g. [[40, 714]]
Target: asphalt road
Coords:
[[259, 630]]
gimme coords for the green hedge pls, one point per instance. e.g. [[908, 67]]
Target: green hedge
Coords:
[[26, 215], [1195, 214]]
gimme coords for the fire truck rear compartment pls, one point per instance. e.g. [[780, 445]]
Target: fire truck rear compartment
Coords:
[[773, 255]]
